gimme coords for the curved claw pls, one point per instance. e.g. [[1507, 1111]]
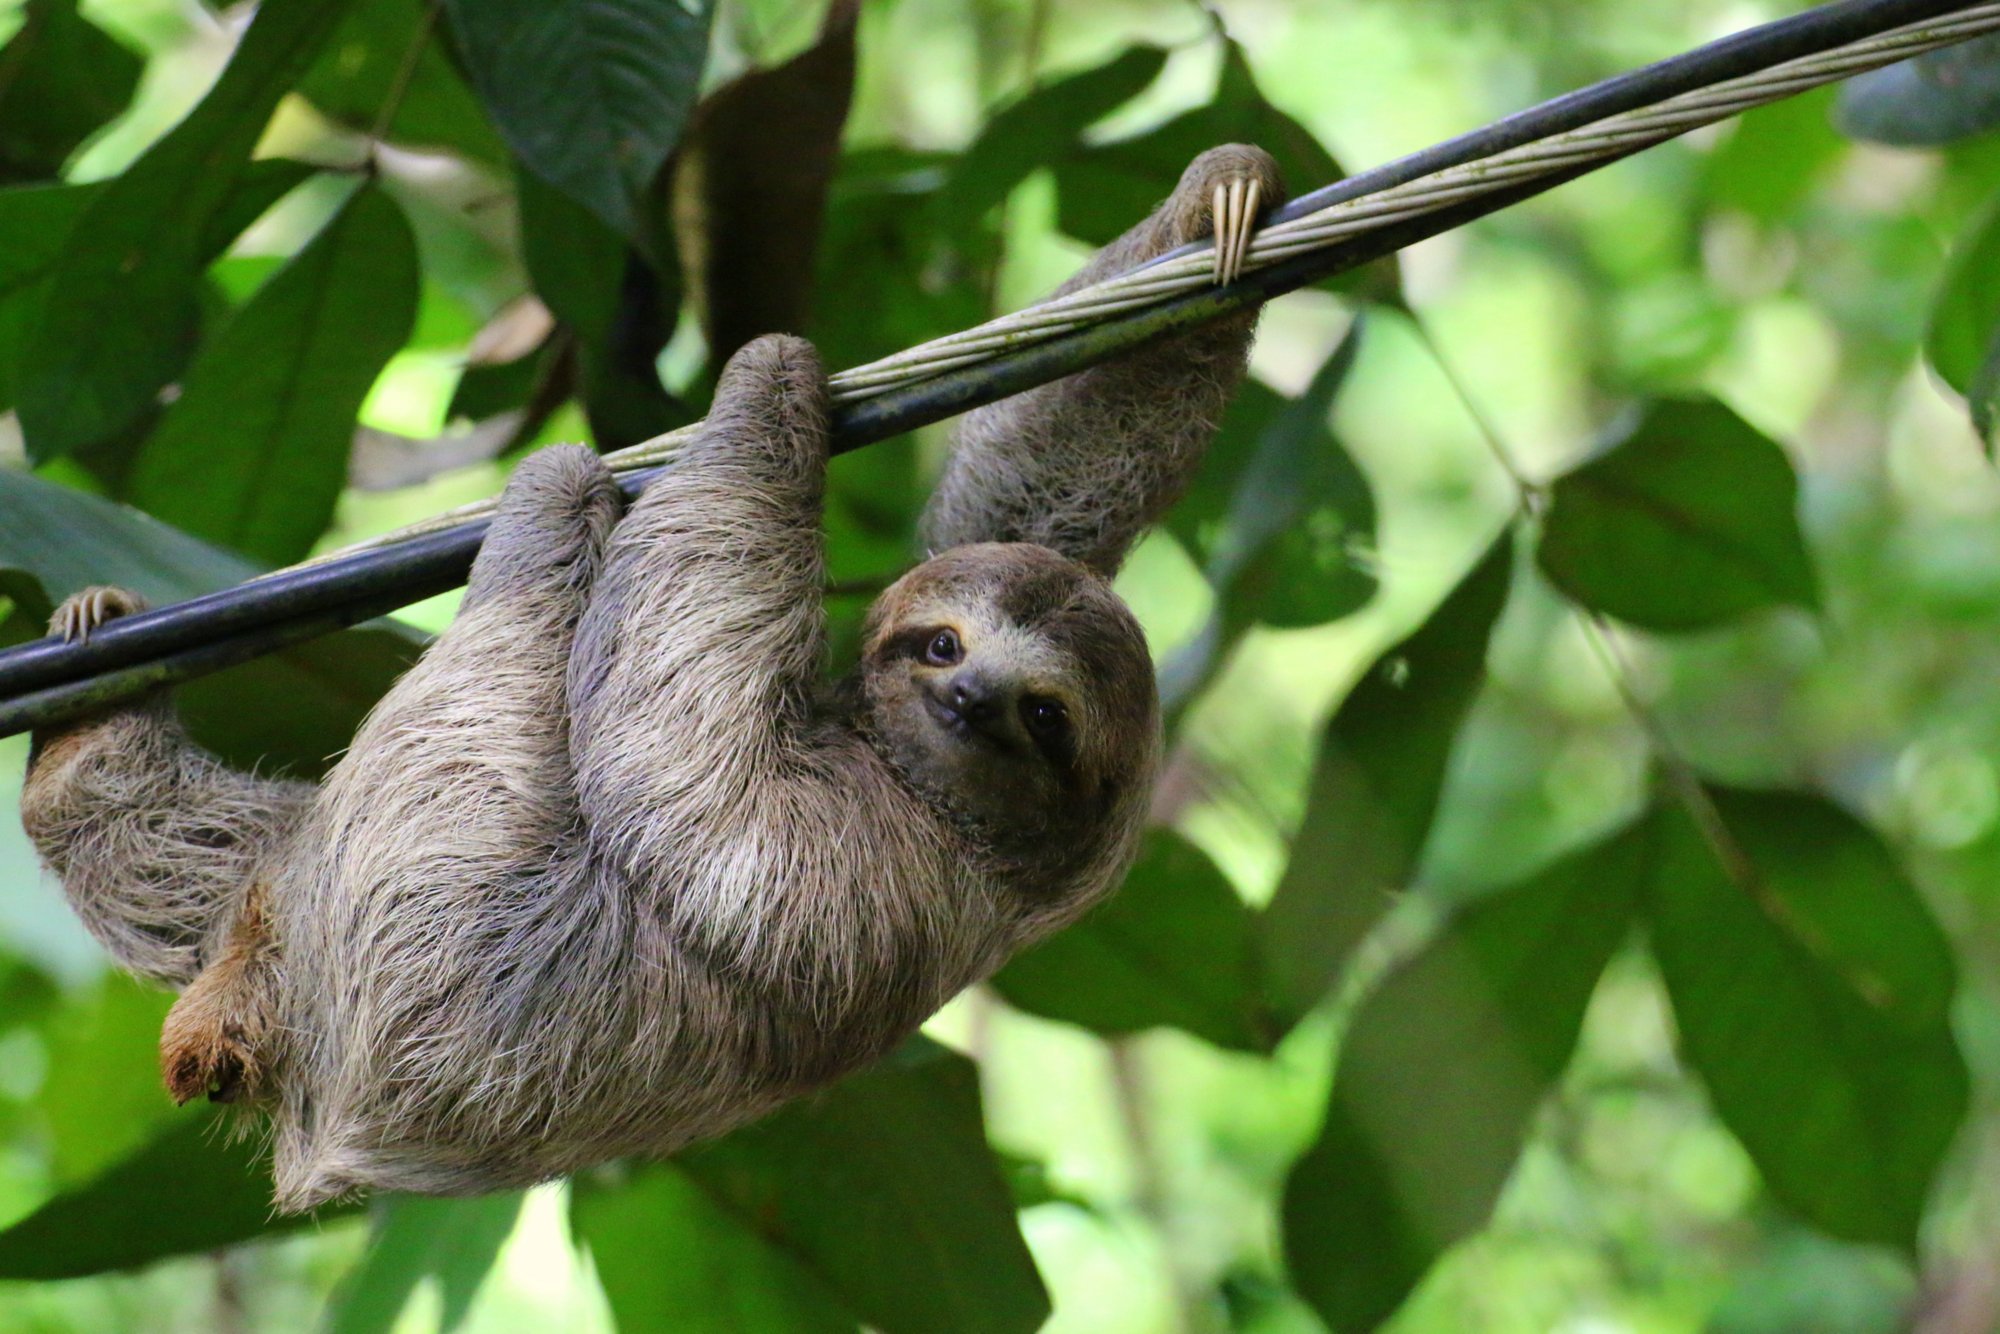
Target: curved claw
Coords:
[[92, 607], [1235, 220]]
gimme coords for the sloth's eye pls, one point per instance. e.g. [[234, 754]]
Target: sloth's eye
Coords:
[[1046, 718], [943, 650]]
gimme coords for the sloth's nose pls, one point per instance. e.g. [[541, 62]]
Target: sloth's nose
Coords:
[[977, 698]]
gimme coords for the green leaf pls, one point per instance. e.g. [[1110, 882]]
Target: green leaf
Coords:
[[122, 311], [1375, 788], [305, 701], [1104, 189], [362, 70], [61, 78], [1174, 948], [750, 188], [35, 222], [195, 1188], [1441, 1072], [103, 1097], [254, 453], [1810, 989], [1774, 157], [1690, 521], [884, 1190], [672, 1259], [414, 1238], [1933, 99], [590, 94], [1040, 128], [1963, 341]]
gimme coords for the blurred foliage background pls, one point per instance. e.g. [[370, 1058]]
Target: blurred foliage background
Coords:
[[1573, 906]]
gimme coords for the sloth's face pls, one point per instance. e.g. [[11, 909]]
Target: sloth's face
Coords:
[[1013, 688]]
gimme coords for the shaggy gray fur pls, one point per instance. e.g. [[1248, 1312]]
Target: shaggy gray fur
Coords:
[[611, 870]]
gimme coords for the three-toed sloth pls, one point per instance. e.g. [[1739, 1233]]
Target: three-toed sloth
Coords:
[[611, 869]]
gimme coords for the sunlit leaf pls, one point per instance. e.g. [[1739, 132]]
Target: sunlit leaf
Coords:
[[295, 710], [1809, 987], [61, 78], [1174, 948], [1963, 342], [1375, 788], [120, 319], [1691, 520], [591, 94], [414, 1238], [674, 1260], [1937, 97], [1441, 1071], [253, 454], [883, 1189], [103, 1097], [750, 187], [1774, 156]]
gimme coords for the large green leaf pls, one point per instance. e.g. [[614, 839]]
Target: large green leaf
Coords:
[[1044, 126], [1441, 1071], [1688, 522], [253, 454], [414, 1238], [1933, 99], [296, 710], [750, 186], [1174, 948], [1810, 988], [195, 1188], [1106, 188], [103, 1098], [1963, 341], [590, 94], [121, 316], [882, 1191], [1375, 788], [61, 78], [367, 64]]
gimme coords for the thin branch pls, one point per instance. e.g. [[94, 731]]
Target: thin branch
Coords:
[[48, 681]]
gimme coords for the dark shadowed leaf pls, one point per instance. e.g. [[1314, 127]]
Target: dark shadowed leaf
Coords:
[[1933, 99], [1810, 992], [1688, 522], [674, 1260], [750, 187], [295, 710], [884, 1190], [888, 276], [35, 221], [1375, 788], [253, 454], [1440, 1074], [1963, 342], [414, 1238], [1174, 948], [590, 94], [1041, 128], [121, 317], [1106, 188], [619, 306], [195, 1188], [61, 77]]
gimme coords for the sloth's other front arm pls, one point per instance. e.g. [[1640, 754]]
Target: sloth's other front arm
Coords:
[[1086, 463]]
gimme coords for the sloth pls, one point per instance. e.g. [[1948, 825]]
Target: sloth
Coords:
[[611, 870]]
